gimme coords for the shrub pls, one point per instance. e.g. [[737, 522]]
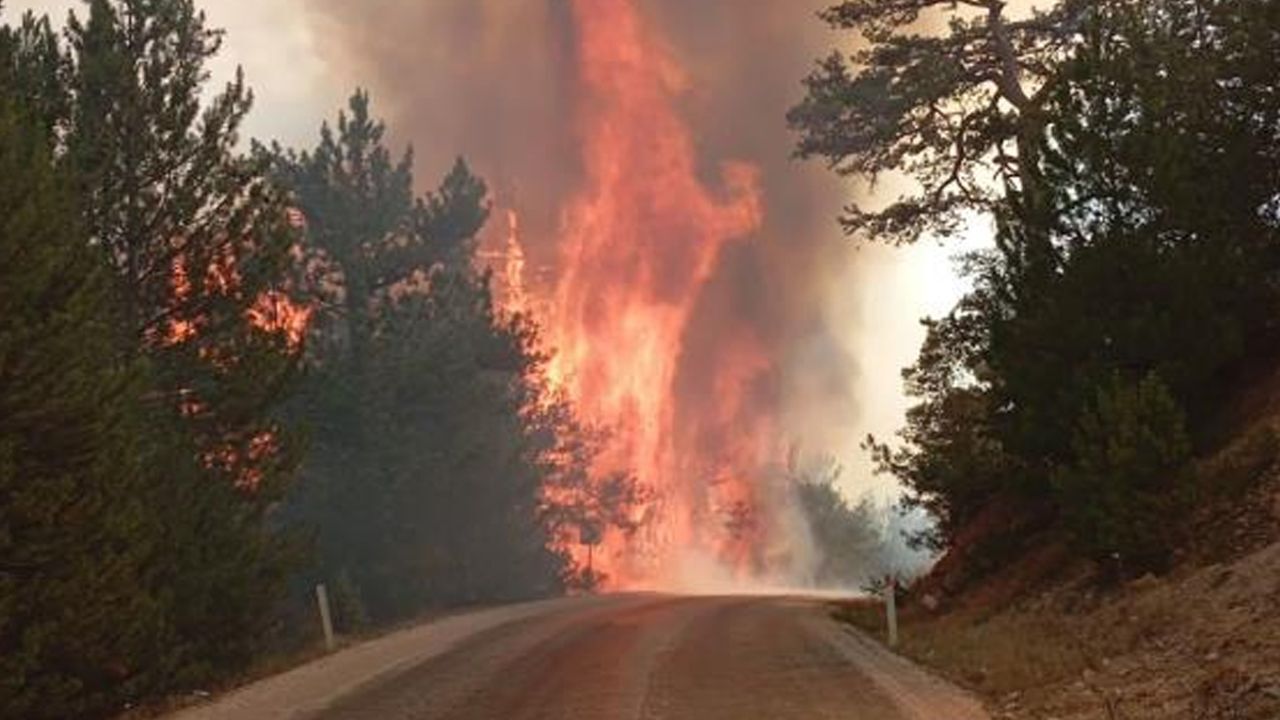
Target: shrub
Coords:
[[1130, 486]]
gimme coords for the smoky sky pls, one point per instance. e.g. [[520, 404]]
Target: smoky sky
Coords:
[[494, 81]]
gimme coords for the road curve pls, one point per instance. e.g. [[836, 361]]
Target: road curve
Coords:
[[634, 658]]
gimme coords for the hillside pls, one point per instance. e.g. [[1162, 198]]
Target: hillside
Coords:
[[1046, 636]]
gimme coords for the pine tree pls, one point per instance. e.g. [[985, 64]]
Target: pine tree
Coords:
[[35, 68], [952, 106], [1130, 486], [846, 539], [198, 234], [1155, 171], [166, 567], [198, 237], [78, 625], [426, 472]]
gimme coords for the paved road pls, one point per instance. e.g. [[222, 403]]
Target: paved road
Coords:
[[647, 658]]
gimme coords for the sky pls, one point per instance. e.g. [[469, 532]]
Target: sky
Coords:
[[294, 85], [298, 58]]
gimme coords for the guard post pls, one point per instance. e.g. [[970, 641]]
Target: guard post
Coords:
[[326, 620], [891, 608]]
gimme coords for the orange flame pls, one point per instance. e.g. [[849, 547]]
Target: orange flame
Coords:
[[517, 297], [272, 311], [638, 244]]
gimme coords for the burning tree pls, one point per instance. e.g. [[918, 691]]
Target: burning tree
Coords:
[[580, 507], [436, 443]]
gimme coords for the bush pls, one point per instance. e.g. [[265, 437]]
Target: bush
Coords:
[[1130, 486]]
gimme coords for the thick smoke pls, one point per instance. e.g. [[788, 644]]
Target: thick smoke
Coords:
[[745, 65], [491, 80], [494, 80]]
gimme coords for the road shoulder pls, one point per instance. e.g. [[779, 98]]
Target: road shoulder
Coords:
[[919, 693], [308, 689]]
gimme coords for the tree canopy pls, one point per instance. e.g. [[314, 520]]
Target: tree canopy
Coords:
[[436, 437], [141, 446], [1127, 151], [949, 94]]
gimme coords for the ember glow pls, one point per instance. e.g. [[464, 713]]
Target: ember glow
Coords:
[[274, 311]]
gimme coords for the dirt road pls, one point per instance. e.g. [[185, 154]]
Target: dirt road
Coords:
[[636, 657]]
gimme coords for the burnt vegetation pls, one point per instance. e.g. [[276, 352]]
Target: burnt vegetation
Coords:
[[1129, 154]]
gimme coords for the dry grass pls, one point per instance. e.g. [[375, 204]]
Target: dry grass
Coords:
[[1183, 646], [1005, 654], [1039, 639]]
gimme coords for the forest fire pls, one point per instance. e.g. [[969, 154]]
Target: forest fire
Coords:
[[689, 300], [637, 245], [273, 312]]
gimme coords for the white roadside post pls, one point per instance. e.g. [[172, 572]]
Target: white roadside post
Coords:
[[326, 621], [891, 609]]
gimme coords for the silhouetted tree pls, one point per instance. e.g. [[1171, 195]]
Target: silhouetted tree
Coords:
[[142, 559], [429, 452], [1137, 234], [951, 109], [76, 534]]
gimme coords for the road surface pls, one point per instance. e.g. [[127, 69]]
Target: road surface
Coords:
[[622, 657]]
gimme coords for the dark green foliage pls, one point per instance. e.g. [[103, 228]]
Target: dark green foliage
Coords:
[[35, 70], [75, 532], [953, 461], [140, 452], [197, 237], [949, 109], [1167, 254], [1127, 491], [1137, 239], [197, 233], [433, 437], [145, 450], [580, 507]]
